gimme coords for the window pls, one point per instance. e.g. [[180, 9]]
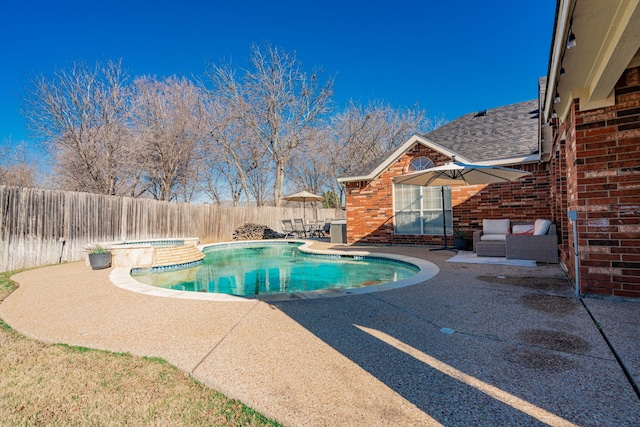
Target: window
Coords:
[[418, 210], [420, 164]]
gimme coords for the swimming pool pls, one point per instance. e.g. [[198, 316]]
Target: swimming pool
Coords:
[[257, 268]]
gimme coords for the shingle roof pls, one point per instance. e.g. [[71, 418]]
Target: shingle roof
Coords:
[[503, 132], [498, 133], [368, 167]]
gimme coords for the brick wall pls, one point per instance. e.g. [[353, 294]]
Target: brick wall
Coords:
[[559, 206], [521, 201], [370, 204], [603, 185]]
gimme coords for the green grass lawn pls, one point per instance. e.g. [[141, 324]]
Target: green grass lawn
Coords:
[[44, 384]]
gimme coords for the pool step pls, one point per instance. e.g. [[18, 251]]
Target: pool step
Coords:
[[173, 255]]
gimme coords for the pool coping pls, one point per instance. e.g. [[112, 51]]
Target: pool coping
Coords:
[[121, 277]]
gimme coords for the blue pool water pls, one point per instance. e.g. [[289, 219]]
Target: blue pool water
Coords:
[[272, 268]]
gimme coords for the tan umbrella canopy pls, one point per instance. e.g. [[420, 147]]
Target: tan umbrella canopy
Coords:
[[304, 197], [456, 173]]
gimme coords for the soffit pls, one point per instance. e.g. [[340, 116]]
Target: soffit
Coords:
[[608, 38]]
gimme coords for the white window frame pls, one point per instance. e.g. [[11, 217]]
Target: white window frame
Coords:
[[422, 206], [420, 164]]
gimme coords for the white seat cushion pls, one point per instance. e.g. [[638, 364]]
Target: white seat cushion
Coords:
[[495, 226], [541, 227], [493, 237]]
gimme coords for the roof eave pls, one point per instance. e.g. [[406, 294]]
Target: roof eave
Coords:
[[555, 58], [608, 41]]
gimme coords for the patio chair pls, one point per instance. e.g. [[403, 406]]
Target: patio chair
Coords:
[[323, 229], [287, 228], [317, 229], [299, 228]]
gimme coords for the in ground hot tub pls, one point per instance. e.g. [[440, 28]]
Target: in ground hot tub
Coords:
[[144, 253]]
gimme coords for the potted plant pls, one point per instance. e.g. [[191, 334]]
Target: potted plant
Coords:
[[99, 256], [461, 239]]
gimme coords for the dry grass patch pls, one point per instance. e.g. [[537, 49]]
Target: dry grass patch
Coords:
[[42, 384]]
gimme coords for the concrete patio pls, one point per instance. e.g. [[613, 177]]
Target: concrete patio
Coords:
[[474, 345]]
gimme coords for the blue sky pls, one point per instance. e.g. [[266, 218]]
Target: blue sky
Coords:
[[451, 58]]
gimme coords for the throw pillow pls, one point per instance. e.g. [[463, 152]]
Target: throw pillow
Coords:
[[522, 229], [541, 227]]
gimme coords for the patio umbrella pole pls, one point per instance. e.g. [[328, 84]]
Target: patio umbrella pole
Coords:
[[444, 227]]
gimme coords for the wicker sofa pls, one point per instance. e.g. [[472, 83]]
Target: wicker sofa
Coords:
[[541, 248]]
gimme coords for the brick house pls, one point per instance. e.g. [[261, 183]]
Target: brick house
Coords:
[[580, 139], [382, 212]]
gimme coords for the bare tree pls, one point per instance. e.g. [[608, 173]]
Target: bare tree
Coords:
[[15, 167], [259, 178], [276, 100], [168, 121], [222, 178], [229, 149], [368, 132], [82, 114], [309, 168], [211, 186], [363, 134]]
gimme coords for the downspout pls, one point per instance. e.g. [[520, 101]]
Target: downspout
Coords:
[[562, 18], [573, 217]]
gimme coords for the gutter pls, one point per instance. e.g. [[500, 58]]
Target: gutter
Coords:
[[557, 46]]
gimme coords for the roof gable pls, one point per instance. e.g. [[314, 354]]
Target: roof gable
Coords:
[[504, 135], [371, 170]]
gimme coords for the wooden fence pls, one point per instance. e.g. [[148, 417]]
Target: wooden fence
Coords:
[[41, 227]]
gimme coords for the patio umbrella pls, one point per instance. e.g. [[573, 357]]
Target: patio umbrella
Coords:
[[456, 173], [303, 196]]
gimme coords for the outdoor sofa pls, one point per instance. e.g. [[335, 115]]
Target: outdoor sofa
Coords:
[[536, 241]]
